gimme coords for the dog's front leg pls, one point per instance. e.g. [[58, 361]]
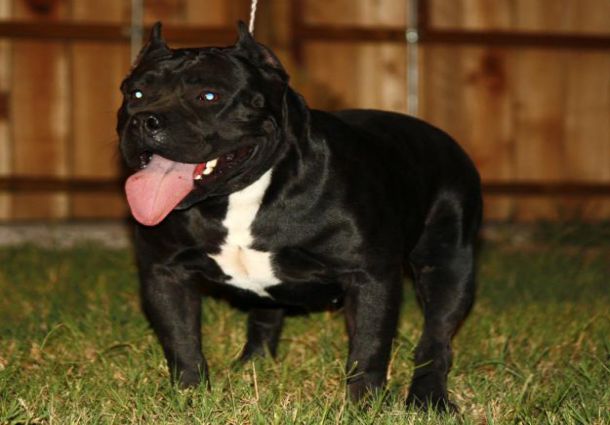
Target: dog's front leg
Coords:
[[264, 329], [172, 305], [371, 310]]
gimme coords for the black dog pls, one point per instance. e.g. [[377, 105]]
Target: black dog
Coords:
[[242, 186]]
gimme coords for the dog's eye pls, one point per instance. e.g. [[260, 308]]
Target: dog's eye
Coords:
[[209, 97], [137, 94]]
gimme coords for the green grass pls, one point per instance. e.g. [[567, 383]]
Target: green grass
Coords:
[[74, 348]]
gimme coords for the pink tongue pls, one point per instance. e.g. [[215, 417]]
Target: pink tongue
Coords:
[[156, 190]]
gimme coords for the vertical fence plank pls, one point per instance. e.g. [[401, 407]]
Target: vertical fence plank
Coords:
[[346, 75], [330, 78], [467, 91], [167, 11], [382, 66], [39, 105], [488, 96], [211, 12], [587, 16], [97, 70], [539, 110], [586, 124], [191, 12], [108, 11], [5, 124], [273, 28], [587, 128]]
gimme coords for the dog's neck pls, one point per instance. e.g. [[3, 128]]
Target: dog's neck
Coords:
[[296, 126]]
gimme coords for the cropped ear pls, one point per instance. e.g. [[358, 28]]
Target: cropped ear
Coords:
[[257, 53], [244, 34], [155, 47]]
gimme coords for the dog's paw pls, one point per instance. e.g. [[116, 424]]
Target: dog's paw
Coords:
[[426, 393], [365, 386], [240, 362], [191, 379], [252, 352], [440, 403]]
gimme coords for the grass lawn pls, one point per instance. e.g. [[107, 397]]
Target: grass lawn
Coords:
[[74, 347]]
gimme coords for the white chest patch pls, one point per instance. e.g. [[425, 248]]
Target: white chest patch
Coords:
[[249, 268]]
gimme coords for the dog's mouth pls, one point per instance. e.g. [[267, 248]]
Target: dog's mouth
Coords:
[[161, 184], [207, 172]]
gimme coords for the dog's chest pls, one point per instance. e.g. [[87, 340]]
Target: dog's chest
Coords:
[[246, 267]]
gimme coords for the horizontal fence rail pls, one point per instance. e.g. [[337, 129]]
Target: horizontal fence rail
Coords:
[[114, 185], [60, 184], [112, 33], [332, 33]]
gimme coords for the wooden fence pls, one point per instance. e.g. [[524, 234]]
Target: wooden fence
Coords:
[[523, 85]]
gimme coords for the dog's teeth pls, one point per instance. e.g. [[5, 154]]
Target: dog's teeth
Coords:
[[212, 163], [198, 177], [207, 171]]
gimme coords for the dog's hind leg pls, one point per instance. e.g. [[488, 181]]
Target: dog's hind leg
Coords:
[[443, 268], [264, 329]]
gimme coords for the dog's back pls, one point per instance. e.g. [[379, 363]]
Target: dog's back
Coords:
[[428, 154], [433, 152]]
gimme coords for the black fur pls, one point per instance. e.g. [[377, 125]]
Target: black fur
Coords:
[[356, 199]]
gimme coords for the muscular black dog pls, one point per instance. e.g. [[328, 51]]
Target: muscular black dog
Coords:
[[240, 186]]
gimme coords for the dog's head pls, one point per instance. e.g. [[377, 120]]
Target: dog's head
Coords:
[[198, 122]]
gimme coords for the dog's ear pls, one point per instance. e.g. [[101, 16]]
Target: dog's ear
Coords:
[[155, 47], [257, 53], [156, 38]]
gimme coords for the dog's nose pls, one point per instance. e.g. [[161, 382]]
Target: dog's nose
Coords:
[[152, 123], [148, 122]]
